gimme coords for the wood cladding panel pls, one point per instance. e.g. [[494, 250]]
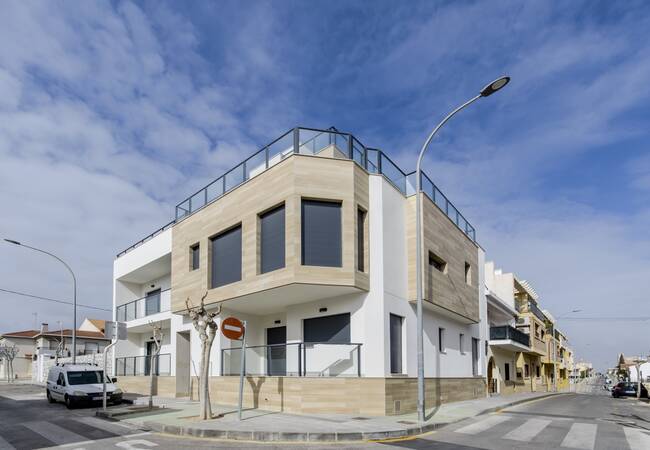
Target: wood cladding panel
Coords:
[[447, 290]]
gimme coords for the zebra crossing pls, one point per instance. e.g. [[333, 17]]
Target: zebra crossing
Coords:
[[65, 432], [552, 432]]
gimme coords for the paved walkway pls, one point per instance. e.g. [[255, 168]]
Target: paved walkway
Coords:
[[178, 416]]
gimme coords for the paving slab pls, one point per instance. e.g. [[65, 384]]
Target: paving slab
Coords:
[[180, 417]]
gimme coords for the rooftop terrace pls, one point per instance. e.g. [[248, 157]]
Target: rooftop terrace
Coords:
[[311, 141]]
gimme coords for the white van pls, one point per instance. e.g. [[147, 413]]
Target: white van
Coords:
[[77, 384]]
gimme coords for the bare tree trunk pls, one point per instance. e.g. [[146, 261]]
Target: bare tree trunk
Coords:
[[206, 327], [157, 339]]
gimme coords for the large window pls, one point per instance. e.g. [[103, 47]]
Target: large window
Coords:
[[321, 233], [226, 257], [437, 263], [361, 237], [332, 329], [395, 343], [272, 240]]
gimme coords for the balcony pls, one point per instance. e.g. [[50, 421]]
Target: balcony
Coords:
[[144, 307], [532, 308], [314, 142], [538, 346], [141, 365], [509, 338], [297, 359]]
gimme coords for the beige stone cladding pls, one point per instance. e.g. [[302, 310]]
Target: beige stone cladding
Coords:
[[313, 395], [449, 291], [288, 182], [163, 386]]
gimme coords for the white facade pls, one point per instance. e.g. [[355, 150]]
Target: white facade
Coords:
[[148, 267]]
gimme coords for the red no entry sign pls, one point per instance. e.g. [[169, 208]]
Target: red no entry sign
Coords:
[[232, 328]]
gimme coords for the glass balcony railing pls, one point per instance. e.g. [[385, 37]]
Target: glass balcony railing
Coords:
[[508, 332], [311, 141], [145, 306], [142, 365], [299, 359]]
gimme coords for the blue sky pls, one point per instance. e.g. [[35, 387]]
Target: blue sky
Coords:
[[111, 113]]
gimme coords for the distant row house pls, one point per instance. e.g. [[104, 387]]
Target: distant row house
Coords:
[[312, 242], [526, 350], [35, 347]]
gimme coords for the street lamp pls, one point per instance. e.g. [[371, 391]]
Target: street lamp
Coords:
[[74, 300], [488, 90]]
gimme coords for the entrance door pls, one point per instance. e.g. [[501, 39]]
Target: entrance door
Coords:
[[276, 356], [147, 359]]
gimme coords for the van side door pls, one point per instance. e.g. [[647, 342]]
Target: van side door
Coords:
[[60, 387]]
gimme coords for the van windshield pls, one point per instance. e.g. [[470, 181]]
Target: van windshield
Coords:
[[86, 377]]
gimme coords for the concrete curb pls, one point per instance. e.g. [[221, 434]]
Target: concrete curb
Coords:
[[347, 436]]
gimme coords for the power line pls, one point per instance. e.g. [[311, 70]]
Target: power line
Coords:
[[52, 299], [616, 319]]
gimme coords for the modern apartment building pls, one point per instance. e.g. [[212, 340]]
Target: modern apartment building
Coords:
[[311, 241]]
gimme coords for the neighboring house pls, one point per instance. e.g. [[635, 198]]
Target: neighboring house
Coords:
[[37, 346], [507, 344], [627, 368], [22, 364], [312, 242]]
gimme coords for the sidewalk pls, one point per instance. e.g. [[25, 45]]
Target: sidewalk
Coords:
[[178, 416]]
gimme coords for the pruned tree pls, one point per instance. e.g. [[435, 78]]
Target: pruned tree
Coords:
[[8, 354], [153, 362], [206, 327]]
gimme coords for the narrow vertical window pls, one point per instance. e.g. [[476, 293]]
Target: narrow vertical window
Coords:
[[506, 372], [441, 340], [461, 343], [396, 343], [321, 233], [361, 235], [272, 240], [468, 273], [226, 257], [475, 355], [194, 257]]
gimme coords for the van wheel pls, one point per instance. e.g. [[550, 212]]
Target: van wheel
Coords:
[[50, 399], [68, 402]]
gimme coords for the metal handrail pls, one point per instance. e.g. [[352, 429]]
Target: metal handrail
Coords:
[[185, 208], [145, 239]]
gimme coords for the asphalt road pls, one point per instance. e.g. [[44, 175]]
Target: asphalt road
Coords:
[[587, 421]]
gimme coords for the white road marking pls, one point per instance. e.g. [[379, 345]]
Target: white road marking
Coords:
[[483, 425], [581, 435], [4, 445], [637, 439], [528, 430], [135, 443], [113, 427], [54, 433], [75, 444]]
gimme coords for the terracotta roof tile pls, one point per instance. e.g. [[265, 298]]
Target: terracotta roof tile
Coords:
[[26, 333]]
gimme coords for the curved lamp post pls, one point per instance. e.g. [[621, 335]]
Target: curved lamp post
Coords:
[[74, 301], [488, 90]]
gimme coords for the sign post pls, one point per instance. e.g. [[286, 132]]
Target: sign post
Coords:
[[234, 329], [115, 331]]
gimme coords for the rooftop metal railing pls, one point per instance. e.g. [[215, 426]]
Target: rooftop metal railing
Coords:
[[313, 141]]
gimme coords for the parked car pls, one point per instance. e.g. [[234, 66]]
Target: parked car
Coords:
[[628, 389], [76, 384]]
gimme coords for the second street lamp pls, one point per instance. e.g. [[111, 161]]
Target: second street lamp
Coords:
[[488, 90], [74, 299]]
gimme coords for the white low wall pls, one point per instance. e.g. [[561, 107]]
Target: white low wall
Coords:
[[42, 365]]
